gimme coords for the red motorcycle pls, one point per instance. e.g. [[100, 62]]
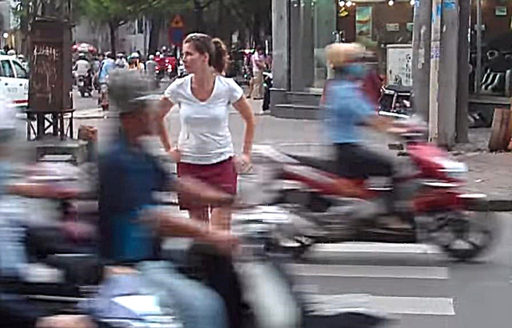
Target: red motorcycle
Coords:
[[166, 65], [333, 209]]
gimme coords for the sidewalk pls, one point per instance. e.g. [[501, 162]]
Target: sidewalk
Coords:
[[489, 173]]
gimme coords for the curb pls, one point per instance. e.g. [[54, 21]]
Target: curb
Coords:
[[500, 205]]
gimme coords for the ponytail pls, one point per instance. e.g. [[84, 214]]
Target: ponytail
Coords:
[[220, 56]]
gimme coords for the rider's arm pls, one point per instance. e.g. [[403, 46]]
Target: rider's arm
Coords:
[[34, 190], [203, 193], [366, 111], [380, 123], [169, 226]]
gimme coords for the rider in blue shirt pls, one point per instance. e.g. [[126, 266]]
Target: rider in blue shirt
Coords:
[[347, 109], [106, 68], [131, 223]]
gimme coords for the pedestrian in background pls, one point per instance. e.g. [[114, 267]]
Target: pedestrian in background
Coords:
[[258, 66], [205, 148], [151, 66]]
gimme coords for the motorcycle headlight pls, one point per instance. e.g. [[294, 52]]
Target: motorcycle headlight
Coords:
[[455, 170]]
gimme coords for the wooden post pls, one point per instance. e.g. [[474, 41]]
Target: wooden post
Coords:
[[501, 130]]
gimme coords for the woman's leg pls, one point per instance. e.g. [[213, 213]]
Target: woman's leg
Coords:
[[251, 88], [221, 219], [200, 214]]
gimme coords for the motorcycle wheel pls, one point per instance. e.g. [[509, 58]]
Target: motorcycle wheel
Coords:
[[466, 235]]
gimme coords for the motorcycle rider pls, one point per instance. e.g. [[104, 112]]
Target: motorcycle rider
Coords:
[[15, 310], [107, 67], [346, 108], [135, 63], [151, 66], [121, 61], [130, 222], [83, 68]]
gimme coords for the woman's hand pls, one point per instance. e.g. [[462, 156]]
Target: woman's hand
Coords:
[[243, 163], [175, 155]]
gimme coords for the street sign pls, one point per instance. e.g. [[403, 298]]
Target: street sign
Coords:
[[177, 22], [177, 30], [177, 35]]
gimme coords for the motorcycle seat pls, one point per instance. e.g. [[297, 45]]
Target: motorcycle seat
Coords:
[[399, 88]]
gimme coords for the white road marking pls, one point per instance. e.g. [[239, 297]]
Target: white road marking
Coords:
[[369, 271], [377, 248], [387, 304]]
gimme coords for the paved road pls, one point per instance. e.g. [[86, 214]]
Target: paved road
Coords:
[[415, 282]]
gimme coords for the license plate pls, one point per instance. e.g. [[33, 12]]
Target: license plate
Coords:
[[81, 83]]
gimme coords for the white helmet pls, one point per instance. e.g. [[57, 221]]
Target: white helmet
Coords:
[[11, 52], [135, 55]]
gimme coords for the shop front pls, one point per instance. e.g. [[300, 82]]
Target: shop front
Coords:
[[303, 28]]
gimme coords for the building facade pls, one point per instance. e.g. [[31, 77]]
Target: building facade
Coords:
[[303, 28]]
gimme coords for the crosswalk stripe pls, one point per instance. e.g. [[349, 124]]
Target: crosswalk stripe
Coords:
[[391, 304], [377, 248], [414, 305], [369, 271]]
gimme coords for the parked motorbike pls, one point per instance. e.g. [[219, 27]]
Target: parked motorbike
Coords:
[[166, 66], [396, 101], [84, 86], [334, 209]]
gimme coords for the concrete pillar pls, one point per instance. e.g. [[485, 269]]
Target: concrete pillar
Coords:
[[447, 97], [308, 60], [280, 44], [421, 56], [296, 42]]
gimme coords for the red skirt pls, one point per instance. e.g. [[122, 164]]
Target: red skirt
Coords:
[[222, 176]]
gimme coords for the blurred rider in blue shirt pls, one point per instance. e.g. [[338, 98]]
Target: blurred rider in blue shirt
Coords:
[[347, 109], [131, 222]]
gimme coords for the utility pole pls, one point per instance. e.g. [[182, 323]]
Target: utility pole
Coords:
[[462, 125], [448, 65], [421, 56], [435, 53]]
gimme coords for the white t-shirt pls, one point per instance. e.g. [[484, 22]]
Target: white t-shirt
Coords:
[[205, 137], [255, 59], [82, 67]]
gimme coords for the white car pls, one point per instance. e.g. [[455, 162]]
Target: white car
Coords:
[[13, 81]]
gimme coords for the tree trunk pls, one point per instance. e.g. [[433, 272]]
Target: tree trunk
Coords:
[[256, 28], [154, 34], [198, 9], [113, 35]]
